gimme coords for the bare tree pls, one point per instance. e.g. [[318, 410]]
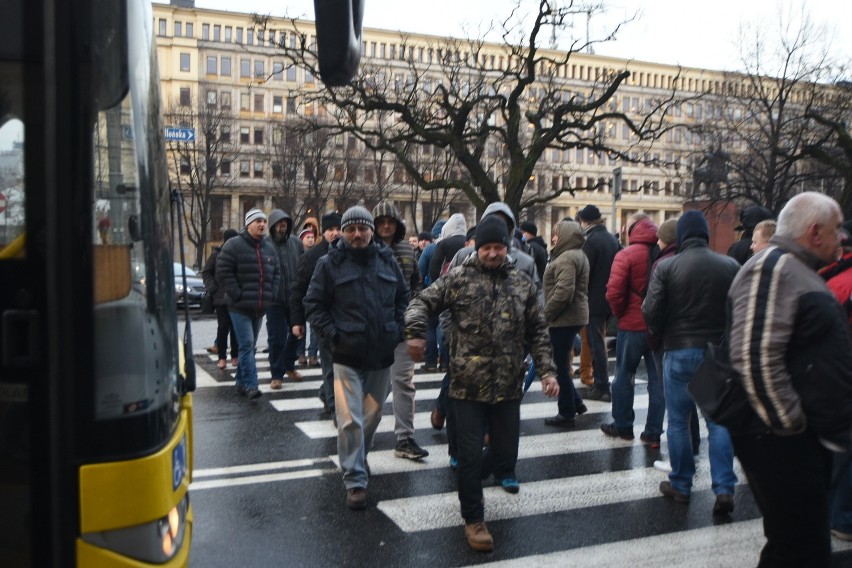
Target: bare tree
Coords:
[[466, 96], [202, 166], [758, 131]]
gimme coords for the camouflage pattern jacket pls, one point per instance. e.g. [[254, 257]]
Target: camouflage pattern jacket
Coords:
[[495, 319]]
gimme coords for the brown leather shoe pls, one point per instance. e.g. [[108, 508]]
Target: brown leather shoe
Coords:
[[295, 376], [276, 384], [437, 419], [213, 350], [235, 362], [303, 362], [478, 537], [356, 498], [588, 381], [313, 362]]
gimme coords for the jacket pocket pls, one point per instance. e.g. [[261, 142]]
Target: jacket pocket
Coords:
[[351, 338]]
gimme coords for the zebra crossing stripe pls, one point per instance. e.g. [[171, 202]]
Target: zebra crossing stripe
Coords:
[[437, 511], [316, 429], [252, 479], [251, 468], [715, 546]]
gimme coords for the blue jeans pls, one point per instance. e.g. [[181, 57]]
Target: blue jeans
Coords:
[[311, 345], [247, 330], [282, 343], [630, 348], [562, 340], [359, 396], [596, 335], [679, 366]]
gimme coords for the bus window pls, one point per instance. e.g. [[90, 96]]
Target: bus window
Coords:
[[12, 186]]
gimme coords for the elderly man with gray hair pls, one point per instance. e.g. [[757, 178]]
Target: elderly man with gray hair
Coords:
[[791, 346]]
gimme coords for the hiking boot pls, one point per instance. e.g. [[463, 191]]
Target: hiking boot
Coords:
[[478, 537], [602, 395], [668, 491], [613, 432], [582, 409], [356, 498], [409, 449], [303, 361], [510, 485], [559, 421], [437, 419], [724, 504], [295, 376], [313, 361], [276, 384], [650, 440], [253, 393]]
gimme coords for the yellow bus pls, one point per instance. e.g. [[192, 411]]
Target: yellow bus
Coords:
[[95, 403]]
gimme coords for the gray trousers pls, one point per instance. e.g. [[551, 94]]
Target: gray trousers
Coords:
[[358, 399], [402, 382]]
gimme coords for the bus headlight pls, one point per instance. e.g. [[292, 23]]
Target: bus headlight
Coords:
[[154, 542]]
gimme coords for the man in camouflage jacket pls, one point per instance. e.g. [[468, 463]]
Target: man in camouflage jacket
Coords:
[[495, 319]]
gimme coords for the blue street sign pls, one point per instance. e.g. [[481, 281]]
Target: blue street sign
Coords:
[[177, 134]]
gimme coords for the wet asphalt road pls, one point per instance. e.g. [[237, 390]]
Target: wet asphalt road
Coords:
[[267, 491]]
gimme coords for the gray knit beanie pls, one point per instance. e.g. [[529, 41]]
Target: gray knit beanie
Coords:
[[357, 215]]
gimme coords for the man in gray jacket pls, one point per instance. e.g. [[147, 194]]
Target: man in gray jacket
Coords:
[[282, 343]]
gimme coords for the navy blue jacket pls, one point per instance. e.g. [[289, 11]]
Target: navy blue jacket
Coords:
[[356, 301]]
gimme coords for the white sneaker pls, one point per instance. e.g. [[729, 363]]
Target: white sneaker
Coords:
[[663, 465]]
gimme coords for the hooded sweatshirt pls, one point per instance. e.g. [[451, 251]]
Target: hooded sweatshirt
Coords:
[[402, 251], [451, 241], [566, 279], [289, 250], [628, 278]]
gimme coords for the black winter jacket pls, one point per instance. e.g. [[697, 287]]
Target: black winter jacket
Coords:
[[356, 303], [687, 295], [208, 274], [247, 269], [600, 248], [304, 272]]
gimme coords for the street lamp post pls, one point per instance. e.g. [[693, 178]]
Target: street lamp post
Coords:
[[616, 194]]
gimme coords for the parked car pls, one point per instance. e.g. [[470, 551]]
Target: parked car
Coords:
[[195, 286]]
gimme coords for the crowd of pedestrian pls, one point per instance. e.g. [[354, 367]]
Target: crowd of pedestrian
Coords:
[[489, 305]]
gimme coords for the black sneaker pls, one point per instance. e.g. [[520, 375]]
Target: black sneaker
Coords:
[[559, 421], [241, 391], [581, 409], [598, 394], [650, 440], [356, 498], [613, 432], [253, 393], [724, 505], [409, 449]]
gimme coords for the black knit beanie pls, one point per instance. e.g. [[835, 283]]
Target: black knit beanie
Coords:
[[491, 229], [690, 225]]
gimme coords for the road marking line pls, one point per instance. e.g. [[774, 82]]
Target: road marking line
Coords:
[[437, 511], [248, 480], [249, 468]]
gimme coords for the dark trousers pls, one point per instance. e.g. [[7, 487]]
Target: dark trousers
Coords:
[[562, 340], [430, 358], [503, 423], [596, 334], [789, 477], [224, 330], [282, 342]]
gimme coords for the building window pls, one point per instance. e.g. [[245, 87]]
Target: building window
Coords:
[[258, 169], [244, 135], [225, 168], [250, 36], [228, 31], [245, 68], [291, 73], [205, 31], [309, 77], [190, 29], [278, 71], [211, 98], [226, 99], [225, 66], [217, 33], [212, 64], [239, 35], [184, 165], [258, 102], [292, 41], [178, 31], [277, 103], [258, 135], [244, 168], [184, 62], [245, 100], [276, 171], [226, 133], [185, 96], [291, 105], [258, 69], [161, 31]]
